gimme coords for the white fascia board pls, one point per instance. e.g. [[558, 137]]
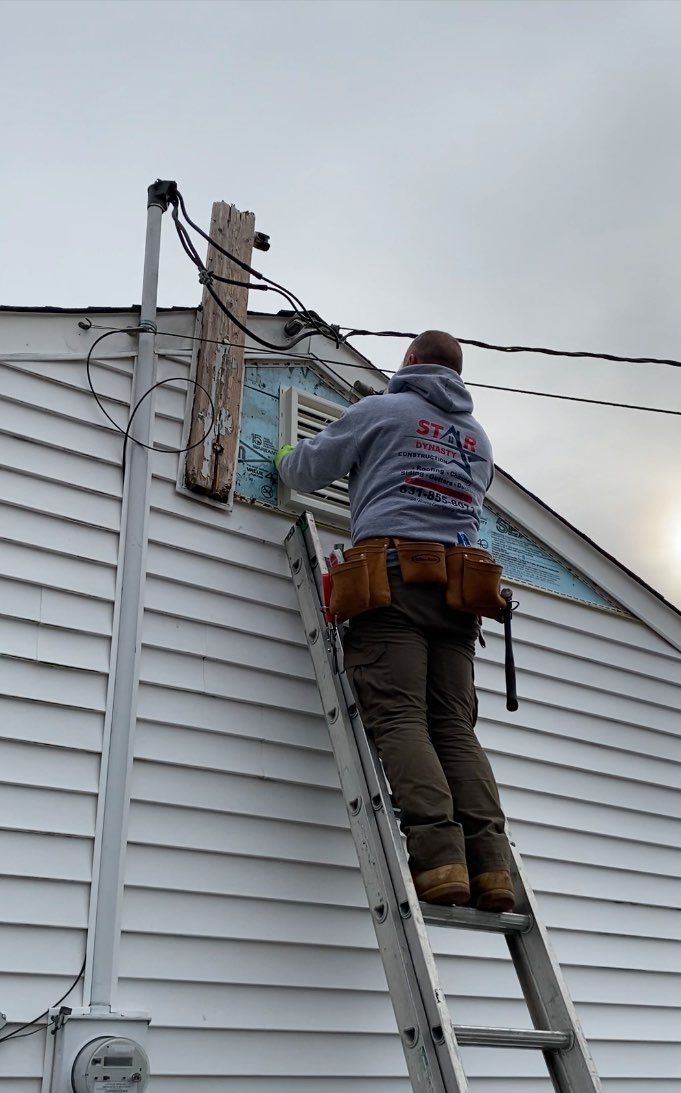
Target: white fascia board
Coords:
[[550, 529]]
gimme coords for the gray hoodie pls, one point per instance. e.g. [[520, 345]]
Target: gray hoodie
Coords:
[[419, 463]]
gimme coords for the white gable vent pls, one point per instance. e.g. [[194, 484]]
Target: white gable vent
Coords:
[[303, 415]]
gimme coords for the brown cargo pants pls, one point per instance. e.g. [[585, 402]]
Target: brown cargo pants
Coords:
[[410, 666]]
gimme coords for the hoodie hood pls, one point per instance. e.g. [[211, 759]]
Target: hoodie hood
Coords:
[[435, 383]]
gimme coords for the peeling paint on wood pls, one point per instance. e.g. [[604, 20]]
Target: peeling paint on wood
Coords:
[[210, 467]]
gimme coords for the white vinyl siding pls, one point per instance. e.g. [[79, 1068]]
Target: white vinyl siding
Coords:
[[245, 928], [60, 502], [245, 931]]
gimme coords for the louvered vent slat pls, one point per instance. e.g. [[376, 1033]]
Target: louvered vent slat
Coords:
[[302, 417]]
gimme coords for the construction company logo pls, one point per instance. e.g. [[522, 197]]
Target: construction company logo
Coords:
[[443, 459], [434, 436]]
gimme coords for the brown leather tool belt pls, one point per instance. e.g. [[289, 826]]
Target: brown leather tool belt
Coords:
[[471, 575]]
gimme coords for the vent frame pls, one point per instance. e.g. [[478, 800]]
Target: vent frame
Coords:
[[303, 415]]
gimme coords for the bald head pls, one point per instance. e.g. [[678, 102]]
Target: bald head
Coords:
[[435, 347]]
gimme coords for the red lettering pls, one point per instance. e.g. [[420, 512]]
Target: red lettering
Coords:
[[424, 427], [437, 429]]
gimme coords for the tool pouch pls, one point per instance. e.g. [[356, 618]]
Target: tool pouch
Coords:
[[421, 562], [473, 582], [350, 588], [375, 551]]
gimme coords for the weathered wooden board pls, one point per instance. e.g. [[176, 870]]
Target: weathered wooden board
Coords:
[[211, 466]]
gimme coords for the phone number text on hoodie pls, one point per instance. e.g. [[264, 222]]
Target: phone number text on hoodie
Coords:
[[423, 494]]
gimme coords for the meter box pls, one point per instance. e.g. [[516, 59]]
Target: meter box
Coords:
[[111, 1064]]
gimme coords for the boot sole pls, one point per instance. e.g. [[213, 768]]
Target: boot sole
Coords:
[[447, 894], [498, 900]]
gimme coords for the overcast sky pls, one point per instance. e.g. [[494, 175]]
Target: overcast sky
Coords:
[[507, 170]]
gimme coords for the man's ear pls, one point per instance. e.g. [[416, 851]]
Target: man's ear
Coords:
[[410, 358]]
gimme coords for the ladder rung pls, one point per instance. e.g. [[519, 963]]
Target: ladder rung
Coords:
[[545, 1040], [467, 918]]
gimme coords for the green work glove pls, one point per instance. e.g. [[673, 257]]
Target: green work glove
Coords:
[[284, 450]]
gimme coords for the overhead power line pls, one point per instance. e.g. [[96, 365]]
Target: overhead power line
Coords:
[[331, 331], [334, 364]]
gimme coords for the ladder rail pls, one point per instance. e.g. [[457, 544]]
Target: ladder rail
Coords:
[[430, 1069], [550, 1005], [433, 996]]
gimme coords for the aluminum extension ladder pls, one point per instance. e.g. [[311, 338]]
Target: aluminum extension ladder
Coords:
[[430, 1041]]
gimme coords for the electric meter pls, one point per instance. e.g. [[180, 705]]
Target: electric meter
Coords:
[[111, 1064]]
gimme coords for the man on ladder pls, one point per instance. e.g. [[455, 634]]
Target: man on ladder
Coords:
[[420, 466]]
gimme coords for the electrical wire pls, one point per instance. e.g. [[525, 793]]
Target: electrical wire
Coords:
[[354, 332], [29, 1024], [313, 320], [161, 383], [489, 386], [333, 332], [308, 357], [577, 398]]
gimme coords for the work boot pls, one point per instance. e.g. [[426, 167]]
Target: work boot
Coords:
[[493, 891], [446, 884]]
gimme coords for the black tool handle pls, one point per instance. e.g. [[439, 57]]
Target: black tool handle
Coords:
[[509, 662]]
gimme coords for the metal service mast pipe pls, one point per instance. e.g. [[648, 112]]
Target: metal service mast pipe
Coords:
[[117, 750]]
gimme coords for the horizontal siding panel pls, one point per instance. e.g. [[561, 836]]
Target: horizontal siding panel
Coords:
[[260, 758], [32, 641], [226, 644], [235, 794], [43, 682], [585, 785], [610, 916], [40, 384], [547, 634], [586, 673], [291, 965], [61, 726], [226, 834], [54, 465], [99, 442], [592, 848], [245, 684], [37, 566], [21, 1063], [569, 614], [533, 806], [578, 725], [111, 375], [220, 608], [208, 573], [42, 904], [36, 494], [248, 1084], [241, 875], [33, 603], [44, 856], [56, 536], [217, 714], [559, 693], [219, 543], [26, 808], [31, 994], [39, 950], [56, 768], [546, 747], [272, 1054]]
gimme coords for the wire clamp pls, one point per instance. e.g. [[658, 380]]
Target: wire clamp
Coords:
[[205, 277], [147, 326]]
